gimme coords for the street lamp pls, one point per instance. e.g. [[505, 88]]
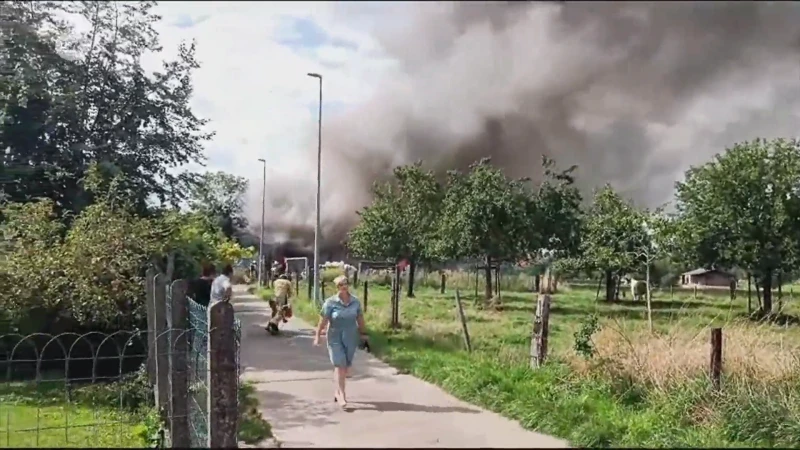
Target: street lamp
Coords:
[[319, 182], [261, 238]]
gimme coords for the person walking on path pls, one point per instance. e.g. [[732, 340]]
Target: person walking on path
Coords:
[[221, 287], [200, 288], [280, 306], [344, 319]]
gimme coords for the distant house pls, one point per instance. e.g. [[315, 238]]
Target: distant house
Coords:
[[706, 278]]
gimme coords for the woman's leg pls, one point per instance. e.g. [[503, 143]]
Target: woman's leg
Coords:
[[340, 375]]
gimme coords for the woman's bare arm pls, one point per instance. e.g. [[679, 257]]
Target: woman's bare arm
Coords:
[[321, 326], [362, 327]]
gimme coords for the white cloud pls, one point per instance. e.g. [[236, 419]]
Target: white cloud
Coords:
[[253, 85]]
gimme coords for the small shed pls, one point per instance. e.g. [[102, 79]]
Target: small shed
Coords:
[[707, 278]]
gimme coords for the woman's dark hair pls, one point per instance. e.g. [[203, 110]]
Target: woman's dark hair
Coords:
[[227, 270], [208, 270]]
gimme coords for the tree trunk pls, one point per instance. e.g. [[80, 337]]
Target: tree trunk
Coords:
[[767, 285], [412, 270], [618, 283], [597, 294], [609, 286], [488, 275], [749, 295], [537, 280]]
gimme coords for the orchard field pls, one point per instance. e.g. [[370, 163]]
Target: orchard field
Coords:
[[626, 387]]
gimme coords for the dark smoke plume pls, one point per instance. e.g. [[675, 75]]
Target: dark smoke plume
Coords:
[[632, 92]]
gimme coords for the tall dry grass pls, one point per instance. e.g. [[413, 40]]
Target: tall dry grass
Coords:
[[754, 355]]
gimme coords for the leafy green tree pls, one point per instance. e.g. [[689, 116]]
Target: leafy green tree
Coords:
[[555, 220], [612, 234], [401, 221], [486, 215], [220, 196], [743, 208], [70, 99]]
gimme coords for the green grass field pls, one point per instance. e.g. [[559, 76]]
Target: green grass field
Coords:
[[40, 416], [636, 389]]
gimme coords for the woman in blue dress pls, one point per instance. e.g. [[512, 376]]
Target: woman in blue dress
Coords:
[[343, 317]]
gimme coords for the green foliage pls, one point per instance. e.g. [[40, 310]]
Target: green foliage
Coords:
[[71, 98], [743, 209], [91, 275], [583, 337], [220, 196], [613, 233], [401, 220], [557, 218], [485, 215]]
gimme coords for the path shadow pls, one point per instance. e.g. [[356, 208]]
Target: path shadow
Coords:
[[290, 411], [411, 407]]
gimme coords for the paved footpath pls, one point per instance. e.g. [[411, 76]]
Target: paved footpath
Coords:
[[295, 391]]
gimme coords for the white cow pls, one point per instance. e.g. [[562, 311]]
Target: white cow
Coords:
[[638, 289]]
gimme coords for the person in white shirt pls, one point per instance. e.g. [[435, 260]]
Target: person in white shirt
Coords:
[[221, 286]]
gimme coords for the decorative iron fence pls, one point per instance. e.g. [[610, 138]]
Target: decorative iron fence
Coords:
[[172, 385]]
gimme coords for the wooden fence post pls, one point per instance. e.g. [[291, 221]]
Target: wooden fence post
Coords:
[[150, 304], [366, 294], [296, 283], [179, 367], [541, 325], [442, 283], [396, 298], [463, 318], [716, 357], [161, 343], [222, 406]]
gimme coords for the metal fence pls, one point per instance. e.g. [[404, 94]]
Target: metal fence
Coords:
[[71, 390], [172, 385], [196, 384]]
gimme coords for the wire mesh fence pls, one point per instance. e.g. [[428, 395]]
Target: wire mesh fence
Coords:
[[174, 384], [197, 382]]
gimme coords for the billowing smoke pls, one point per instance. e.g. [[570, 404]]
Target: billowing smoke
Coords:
[[632, 92]]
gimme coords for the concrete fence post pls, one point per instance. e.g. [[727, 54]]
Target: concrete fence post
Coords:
[[222, 399], [150, 305], [161, 343], [178, 367]]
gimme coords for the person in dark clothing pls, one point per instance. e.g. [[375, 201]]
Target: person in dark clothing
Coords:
[[200, 288]]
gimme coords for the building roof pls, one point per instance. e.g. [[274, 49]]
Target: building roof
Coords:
[[702, 271]]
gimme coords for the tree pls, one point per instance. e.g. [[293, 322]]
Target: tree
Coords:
[[401, 221], [556, 219], [612, 232], [486, 215], [743, 208], [70, 99], [220, 196]]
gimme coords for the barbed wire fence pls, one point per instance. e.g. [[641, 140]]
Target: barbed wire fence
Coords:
[[174, 384]]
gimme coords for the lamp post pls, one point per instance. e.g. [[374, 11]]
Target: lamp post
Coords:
[[319, 182], [261, 233]]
